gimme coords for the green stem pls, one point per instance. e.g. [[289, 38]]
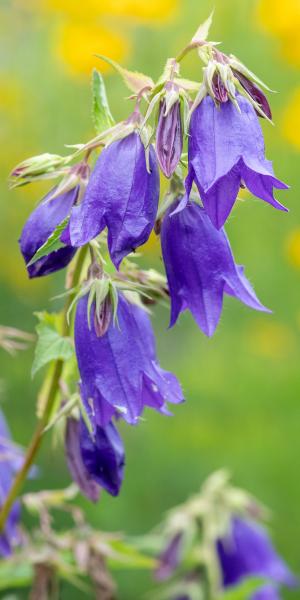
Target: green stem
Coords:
[[43, 422]]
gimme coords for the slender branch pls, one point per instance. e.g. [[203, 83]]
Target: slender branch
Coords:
[[43, 421]]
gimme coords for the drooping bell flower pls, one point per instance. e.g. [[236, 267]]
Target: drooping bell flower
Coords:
[[200, 267], [248, 552], [119, 372], [121, 195], [80, 474], [226, 150], [11, 459], [169, 139], [39, 226], [103, 456]]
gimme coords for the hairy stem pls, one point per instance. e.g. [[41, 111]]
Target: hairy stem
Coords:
[[51, 395]]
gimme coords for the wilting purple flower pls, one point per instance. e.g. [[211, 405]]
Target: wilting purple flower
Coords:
[[200, 268], [170, 557], [119, 372], [169, 138], [122, 196], [255, 92], [41, 223], [226, 149], [248, 552], [219, 89], [79, 473], [10, 462], [103, 456]]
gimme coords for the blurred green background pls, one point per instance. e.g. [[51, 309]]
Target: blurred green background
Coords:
[[242, 387]]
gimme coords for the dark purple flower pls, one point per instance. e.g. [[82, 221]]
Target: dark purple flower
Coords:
[[79, 473], [200, 268], [122, 196], [169, 138], [103, 456], [11, 460], [248, 552], [119, 372], [41, 223], [226, 149], [170, 557], [219, 89], [255, 92]]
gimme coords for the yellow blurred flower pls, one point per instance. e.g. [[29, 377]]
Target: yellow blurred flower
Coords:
[[76, 45], [156, 10], [270, 339], [291, 119], [283, 21], [292, 248]]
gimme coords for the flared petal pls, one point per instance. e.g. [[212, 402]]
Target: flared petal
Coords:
[[122, 196], [248, 552], [267, 592], [116, 367], [39, 226], [103, 456], [200, 267]]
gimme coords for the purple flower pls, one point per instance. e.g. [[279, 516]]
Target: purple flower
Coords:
[[248, 552], [79, 473], [200, 268], [41, 223], [103, 456], [10, 462], [122, 196], [169, 138], [226, 149], [119, 372]]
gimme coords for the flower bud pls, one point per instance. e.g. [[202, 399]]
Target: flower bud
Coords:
[[169, 137], [255, 93]]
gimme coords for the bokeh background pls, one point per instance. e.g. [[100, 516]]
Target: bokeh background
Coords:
[[242, 387]]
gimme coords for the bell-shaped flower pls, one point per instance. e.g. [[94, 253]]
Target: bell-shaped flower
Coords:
[[103, 456], [169, 139], [79, 473], [248, 552], [200, 267], [11, 459], [39, 226], [226, 150], [119, 372], [122, 195]]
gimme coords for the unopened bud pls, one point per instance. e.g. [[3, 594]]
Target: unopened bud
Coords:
[[169, 139]]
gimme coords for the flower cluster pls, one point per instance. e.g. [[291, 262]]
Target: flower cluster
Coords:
[[215, 541], [112, 204]]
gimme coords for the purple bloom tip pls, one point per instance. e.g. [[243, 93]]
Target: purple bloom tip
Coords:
[[169, 138]]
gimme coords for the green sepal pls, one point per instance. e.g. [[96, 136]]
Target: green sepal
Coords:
[[51, 345], [134, 80], [101, 114], [52, 244], [245, 590]]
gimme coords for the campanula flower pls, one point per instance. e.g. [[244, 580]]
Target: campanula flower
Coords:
[[170, 557], [200, 267], [226, 150], [121, 195], [248, 552], [40, 225], [255, 93], [80, 474], [169, 138], [119, 372], [11, 460]]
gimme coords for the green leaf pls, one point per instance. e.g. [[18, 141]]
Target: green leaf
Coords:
[[50, 345], [126, 556], [102, 116], [15, 575], [243, 591], [52, 244], [135, 81]]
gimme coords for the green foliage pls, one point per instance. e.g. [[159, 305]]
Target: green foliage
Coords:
[[51, 345], [102, 116], [15, 574], [52, 244], [244, 590]]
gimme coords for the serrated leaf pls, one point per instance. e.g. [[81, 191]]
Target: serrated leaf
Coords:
[[52, 244], [134, 80], [102, 116], [202, 32], [50, 345]]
